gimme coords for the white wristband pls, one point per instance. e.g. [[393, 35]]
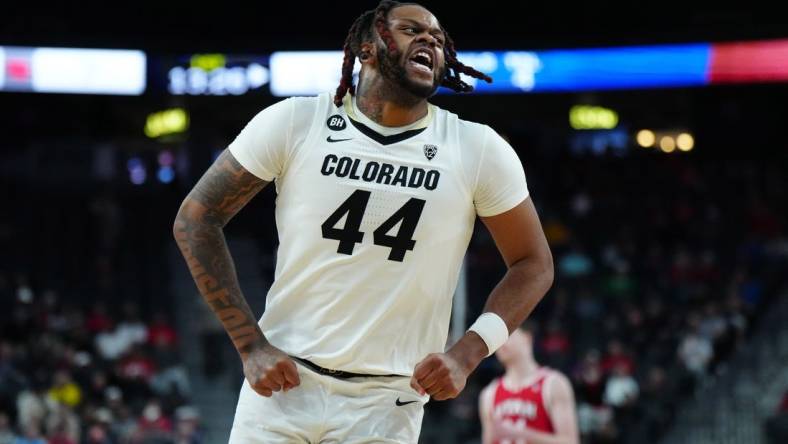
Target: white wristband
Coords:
[[492, 329]]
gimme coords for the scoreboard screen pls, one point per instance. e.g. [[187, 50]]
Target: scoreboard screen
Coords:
[[216, 75]]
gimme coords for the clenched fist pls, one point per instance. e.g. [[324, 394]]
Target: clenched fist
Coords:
[[443, 375], [440, 375], [269, 370]]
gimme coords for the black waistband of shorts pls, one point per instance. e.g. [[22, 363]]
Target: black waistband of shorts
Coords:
[[341, 374]]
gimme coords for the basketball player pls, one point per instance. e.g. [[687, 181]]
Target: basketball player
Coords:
[[377, 193], [529, 404]]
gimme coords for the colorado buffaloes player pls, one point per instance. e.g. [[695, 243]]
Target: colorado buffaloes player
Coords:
[[529, 404], [378, 191]]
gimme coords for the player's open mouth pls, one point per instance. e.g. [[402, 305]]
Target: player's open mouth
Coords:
[[421, 61]]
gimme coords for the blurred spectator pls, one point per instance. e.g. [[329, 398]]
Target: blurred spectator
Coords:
[[64, 390], [590, 379], [621, 389], [31, 407], [98, 434], [122, 423], [555, 345], [171, 381], [160, 332], [31, 435], [95, 392], [616, 357], [153, 425], [575, 263], [656, 404], [131, 328], [713, 325], [137, 365], [596, 423], [63, 425], [187, 426], [135, 373], [620, 285], [695, 350], [24, 293], [113, 343], [60, 437], [110, 344]]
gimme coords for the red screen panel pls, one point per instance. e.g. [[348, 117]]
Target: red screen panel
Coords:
[[744, 62]]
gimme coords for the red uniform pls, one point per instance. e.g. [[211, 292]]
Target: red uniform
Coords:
[[525, 407]]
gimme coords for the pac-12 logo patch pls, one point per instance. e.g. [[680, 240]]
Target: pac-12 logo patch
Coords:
[[336, 123], [430, 151]]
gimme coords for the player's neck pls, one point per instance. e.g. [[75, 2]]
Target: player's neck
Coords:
[[385, 107], [521, 370]]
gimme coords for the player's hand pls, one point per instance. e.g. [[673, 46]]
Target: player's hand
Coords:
[[269, 370], [440, 375], [443, 375]]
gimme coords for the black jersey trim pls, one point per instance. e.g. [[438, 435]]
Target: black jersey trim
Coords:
[[382, 139]]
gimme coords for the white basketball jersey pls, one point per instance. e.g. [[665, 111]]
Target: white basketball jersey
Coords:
[[373, 225]]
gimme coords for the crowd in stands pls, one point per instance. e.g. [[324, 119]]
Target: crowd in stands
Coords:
[[72, 374]]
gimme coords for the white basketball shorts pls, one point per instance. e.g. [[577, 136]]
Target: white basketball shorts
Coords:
[[328, 410]]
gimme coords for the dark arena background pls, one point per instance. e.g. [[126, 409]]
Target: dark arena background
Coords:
[[654, 140]]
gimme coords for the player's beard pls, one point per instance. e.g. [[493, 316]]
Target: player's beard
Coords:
[[394, 70]]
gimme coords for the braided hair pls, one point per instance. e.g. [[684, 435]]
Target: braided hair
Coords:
[[361, 31]]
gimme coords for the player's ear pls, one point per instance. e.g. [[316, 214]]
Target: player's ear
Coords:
[[368, 53]]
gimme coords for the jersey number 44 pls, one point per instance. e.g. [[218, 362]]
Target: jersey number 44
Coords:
[[350, 235]]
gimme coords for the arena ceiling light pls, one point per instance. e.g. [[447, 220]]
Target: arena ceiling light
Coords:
[[166, 123], [586, 117]]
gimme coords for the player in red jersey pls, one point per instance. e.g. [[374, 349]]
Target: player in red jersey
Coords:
[[530, 404]]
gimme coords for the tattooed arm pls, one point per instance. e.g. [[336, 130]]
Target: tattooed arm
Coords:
[[221, 192]]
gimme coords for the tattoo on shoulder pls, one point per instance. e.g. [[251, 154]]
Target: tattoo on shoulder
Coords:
[[226, 187]]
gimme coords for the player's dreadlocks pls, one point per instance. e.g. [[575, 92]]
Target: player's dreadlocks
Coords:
[[361, 31]]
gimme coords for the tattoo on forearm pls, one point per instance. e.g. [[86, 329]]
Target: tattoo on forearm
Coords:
[[224, 189]]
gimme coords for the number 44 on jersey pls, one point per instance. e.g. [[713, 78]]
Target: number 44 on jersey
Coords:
[[350, 235]]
